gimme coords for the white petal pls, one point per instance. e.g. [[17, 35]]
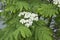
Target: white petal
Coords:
[[30, 23], [27, 15], [32, 18], [22, 21], [27, 25], [33, 15], [26, 21], [22, 13], [36, 18], [19, 15]]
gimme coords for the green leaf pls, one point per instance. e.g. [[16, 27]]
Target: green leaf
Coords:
[[25, 32], [43, 33], [46, 10], [22, 4], [13, 32]]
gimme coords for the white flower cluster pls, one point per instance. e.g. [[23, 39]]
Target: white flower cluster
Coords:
[[28, 18], [56, 2]]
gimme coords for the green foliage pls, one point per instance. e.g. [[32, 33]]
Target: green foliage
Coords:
[[46, 10], [41, 7], [42, 32], [16, 31], [13, 33], [17, 6]]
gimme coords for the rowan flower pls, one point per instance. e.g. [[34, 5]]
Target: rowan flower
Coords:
[[28, 18]]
